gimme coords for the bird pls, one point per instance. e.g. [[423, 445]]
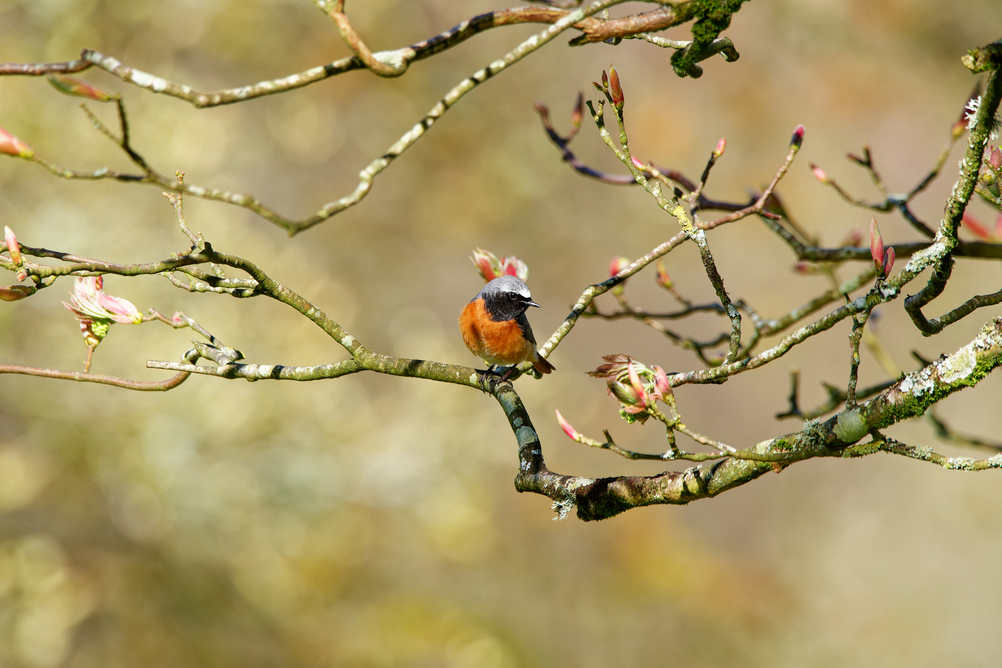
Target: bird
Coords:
[[495, 328]]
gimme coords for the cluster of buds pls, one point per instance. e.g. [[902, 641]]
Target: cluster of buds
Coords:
[[97, 310], [611, 87], [991, 174], [635, 386], [884, 261], [490, 267]]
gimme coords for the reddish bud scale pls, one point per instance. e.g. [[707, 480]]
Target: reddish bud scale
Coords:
[[615, 89], [578, 112], [888, 260], [617, 265], [12, 246], [11, 145], [798, 138], [72, 86], [819, 174], [876, 244], [995, 158], [721, 147], [568, 429], [662, 277]]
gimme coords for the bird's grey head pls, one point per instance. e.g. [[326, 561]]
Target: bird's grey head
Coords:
[[506, 297]]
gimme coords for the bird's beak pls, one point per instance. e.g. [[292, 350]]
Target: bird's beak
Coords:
[[532, 303]]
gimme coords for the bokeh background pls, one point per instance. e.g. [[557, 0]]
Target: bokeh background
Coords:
[[372, 521]]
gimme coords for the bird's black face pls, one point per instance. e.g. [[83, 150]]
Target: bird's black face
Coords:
[[506, 298]]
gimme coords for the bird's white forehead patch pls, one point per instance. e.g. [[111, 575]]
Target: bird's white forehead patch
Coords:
[[508, 284]]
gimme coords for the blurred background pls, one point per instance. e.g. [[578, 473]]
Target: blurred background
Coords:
[[372, 521]]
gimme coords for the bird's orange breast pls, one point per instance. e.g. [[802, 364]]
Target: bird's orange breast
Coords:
[[494, 342]]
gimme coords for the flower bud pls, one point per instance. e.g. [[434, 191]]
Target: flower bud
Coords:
[[721, 146], [876, 244], [568, 429], [819, 174], [12, 246], [798, 138], [662, 277], [11, 145], [995, 158], [617, 265], [615, 89], [512, 266], [578, 112], [486, 263], [14, 293], [888, 260], [73, 86]]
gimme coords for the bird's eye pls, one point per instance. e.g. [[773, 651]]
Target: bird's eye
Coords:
[[513, 296]]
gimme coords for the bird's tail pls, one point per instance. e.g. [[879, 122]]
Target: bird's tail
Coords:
[[541, 365]]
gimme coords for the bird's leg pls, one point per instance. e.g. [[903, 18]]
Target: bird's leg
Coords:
[[484, 375], [507, 373]]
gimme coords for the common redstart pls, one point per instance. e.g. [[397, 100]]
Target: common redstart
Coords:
[[495, 328]]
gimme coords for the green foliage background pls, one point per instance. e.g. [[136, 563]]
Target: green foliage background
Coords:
[[371, 521]]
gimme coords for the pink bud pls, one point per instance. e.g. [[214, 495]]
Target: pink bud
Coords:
[[617, 265], [995, 158], [486, 263], [798, 138], [637, 163], [721, 145], [876, 244], [11, 145], [512, 266], [661, 380], [73, 86], [889, 260], [615, 89], [568, 429], [12, 245], [638, 387], [819, 174], [662, 277]]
